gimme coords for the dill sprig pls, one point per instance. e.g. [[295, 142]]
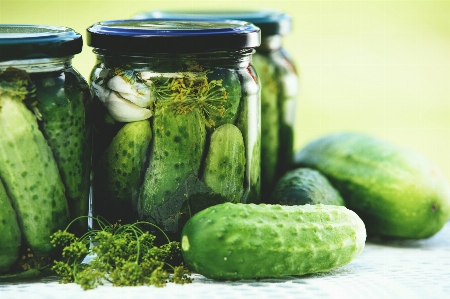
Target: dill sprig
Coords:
[[123, 255], [192, 92]]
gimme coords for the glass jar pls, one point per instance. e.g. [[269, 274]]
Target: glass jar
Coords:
[[177, 118], [45, 136], [279, 86]]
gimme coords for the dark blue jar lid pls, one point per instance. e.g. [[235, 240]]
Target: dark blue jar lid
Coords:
[[270, 21], [23, 41], [172, 35]]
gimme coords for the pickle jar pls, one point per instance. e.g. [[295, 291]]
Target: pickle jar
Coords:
[[279, 85], [176, 118], [44, 137]]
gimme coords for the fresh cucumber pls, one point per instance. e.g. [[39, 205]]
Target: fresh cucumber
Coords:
[[244, 241], [31, 176], [225, 163], [117, 176], [11, 235], [61, 101], [305, 186], [396, 191]]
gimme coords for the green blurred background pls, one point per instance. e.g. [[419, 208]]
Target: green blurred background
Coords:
[[380, 67]]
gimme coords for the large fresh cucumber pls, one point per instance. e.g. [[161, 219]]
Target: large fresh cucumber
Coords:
[[305, 186], [397, 192], [31, 176], [117, 176], [243, 241], [61, 103], [177, 150], [225, 163], [11, 236]]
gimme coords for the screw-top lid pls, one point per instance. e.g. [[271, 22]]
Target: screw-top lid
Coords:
[[270, 21], [172, 35], [37, 41]]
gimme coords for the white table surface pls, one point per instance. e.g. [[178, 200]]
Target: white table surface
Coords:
[[385, 269]]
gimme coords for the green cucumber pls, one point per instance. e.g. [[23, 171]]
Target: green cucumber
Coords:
[[11, 236], [31, 176], [61, 103], [270, 124], [245, 241], [396, 191], [305, 186], [117, 176], [177, 151], [225, 163]]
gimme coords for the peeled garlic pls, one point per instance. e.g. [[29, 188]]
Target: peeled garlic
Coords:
[[123, 110], [101, 92], [138, 93], [149, 75]]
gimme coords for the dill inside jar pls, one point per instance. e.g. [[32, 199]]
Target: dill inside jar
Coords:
[[176, 118], [279, 85], [44, 140]]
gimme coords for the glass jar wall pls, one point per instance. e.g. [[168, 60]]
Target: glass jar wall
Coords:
[[45, 145], [177, 118], [279, 85]]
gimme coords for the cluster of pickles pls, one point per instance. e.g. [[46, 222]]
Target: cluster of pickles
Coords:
[[169, 144]]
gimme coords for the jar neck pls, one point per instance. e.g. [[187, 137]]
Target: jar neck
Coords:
[[229, 59], [39, 65], [271, 43]]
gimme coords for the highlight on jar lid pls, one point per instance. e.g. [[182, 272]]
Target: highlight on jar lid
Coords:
[[26, 41], [173, 35], [270, 21]]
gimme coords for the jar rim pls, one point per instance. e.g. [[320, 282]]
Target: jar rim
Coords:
[[33, 41], [270, 21], [173, 35]]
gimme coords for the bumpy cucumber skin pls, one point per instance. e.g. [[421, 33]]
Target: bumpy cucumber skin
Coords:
[[177, 150], [11, 236], [397, 192], [305, 186], [245, 241], [117, 176], [31, 177], [225, 163], [65, 126]]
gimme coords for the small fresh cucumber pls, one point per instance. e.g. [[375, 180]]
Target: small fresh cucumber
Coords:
[[61, 100], [396, 191], [305, 186], [11, 236], [177, 151], [31, 176], [244, 241], [117, 177], [225, 163]]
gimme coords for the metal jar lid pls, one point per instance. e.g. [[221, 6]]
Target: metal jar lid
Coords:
[[25, 41], [172, 35]]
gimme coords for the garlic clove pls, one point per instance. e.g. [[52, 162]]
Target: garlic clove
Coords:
[[138, 93], [101, 92], [123, 110], [146, 75]]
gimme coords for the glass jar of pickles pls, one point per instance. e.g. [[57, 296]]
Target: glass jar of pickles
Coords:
[[44, 138], [177, 118], [279, 85]]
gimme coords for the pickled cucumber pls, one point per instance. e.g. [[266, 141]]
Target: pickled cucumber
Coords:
[[117, 176], [61, 103], [225, 163], [28, 169], [11, 237]]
